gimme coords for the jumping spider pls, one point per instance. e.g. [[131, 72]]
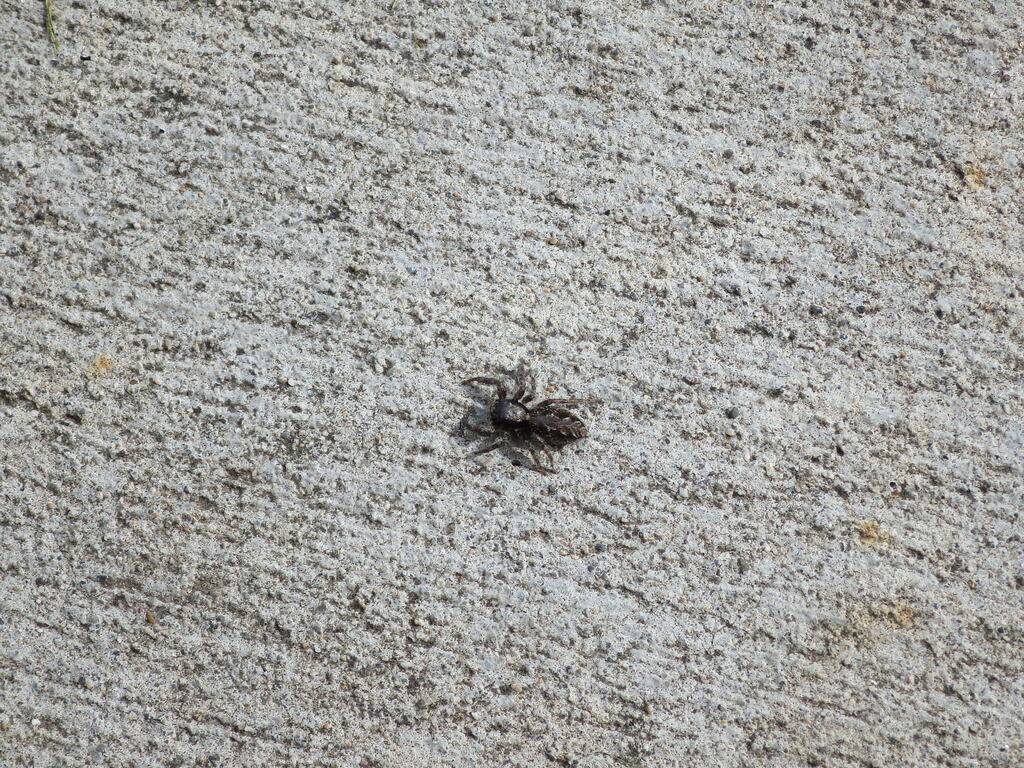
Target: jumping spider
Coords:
[[543, 426]]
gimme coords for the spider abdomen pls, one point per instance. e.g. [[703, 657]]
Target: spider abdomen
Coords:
[[559, 426]]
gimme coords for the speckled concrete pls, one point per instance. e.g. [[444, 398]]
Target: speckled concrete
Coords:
[[247, 252]]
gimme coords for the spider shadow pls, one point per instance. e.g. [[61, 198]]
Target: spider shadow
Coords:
[[510, 447]]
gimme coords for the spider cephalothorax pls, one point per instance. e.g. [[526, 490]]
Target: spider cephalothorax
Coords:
[[543, 426], [510, 414]]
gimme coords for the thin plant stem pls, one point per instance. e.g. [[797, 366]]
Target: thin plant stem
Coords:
[[48, 4]]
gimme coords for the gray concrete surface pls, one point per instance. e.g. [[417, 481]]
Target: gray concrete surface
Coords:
[[248, 250]]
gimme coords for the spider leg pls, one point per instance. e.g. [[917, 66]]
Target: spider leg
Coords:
[[491, 382], [566, 401], [547, 451], [537, 464], [538, 441], [519, 379], [531, 386], [488, 448]]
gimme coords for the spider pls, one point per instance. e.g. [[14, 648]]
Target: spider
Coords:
[[543, 426]]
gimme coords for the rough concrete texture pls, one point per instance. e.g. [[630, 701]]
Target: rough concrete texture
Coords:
[[248, 251]]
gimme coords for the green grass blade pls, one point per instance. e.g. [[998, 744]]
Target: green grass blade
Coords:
[[49, 25]]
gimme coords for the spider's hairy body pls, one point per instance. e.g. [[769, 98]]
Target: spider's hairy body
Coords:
[[548, 424]]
